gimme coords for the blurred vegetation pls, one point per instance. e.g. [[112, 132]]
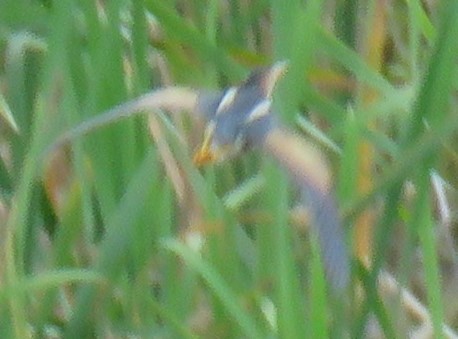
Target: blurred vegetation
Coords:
[[95, 241]]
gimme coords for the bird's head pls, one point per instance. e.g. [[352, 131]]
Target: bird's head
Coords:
[[240, 117]]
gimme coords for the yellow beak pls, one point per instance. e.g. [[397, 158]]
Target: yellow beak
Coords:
[[205, 154], [211, 153]]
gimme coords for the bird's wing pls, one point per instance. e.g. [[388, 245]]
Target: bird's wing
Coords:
[[308, 168]]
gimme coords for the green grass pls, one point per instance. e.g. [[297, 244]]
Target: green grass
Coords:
[[95, 240]]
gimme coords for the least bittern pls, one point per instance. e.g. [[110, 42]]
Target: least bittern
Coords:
[[240, 118]]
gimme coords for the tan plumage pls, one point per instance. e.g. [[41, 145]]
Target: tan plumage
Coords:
[[301, 159]]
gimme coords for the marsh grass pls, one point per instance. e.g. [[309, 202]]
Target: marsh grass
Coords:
[[97, 240]]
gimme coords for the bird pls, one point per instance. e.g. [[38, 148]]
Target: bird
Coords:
[[242, 118], [238, 119]]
